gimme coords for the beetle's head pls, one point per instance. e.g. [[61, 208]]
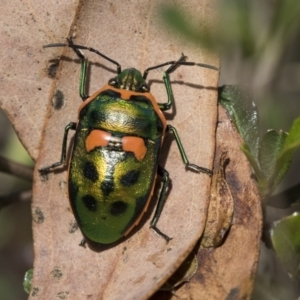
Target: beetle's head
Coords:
[[130, 79]]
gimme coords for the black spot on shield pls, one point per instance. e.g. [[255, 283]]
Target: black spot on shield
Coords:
[[130, 178], [90, 172], [117, 208], [90, 202]]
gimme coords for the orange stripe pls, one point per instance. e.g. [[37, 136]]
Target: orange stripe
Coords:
[[136, 145], [97, 138]]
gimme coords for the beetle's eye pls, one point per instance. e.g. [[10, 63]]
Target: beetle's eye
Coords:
[[145, 88], [112, 82]]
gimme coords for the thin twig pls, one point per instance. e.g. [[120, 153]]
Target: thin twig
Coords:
[[22, 196], [16, 169]]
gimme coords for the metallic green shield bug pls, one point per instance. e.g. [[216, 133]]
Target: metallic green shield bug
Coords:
[[114, 162]]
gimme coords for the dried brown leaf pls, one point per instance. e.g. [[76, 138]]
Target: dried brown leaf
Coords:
[[130, 33], [24, 81], [221, 206], [228, 272]]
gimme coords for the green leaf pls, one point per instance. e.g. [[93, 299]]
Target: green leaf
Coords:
[[270, 148], [286, 242], [27, 281], [259, 175], [244, 114], [291, 144], [292, 141]]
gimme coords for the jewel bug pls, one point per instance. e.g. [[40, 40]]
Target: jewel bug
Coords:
[[114, 161]]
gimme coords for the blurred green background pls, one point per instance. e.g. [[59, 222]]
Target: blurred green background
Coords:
[[16, 245], [259, 43]]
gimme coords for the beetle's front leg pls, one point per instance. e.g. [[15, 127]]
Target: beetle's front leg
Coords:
[[167, 82], [83, 73], [183, 154], [70, 126]]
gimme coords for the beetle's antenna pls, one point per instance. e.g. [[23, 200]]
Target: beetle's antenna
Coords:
[[174, 64], [74, 46]]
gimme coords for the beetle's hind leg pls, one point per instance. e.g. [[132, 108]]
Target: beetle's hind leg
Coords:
[[161, 202], [70, 126], [83, 243], [185, 160]]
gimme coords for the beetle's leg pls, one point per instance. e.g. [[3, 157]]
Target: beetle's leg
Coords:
[[183, 154], [71, 126], [82, 84], [84, 68], [167, 105], [161, 202], [167, 82], [83, 243], [166, 78]]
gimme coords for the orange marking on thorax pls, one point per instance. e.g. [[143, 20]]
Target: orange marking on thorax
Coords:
[[101, 138], [136, 145], [97, 138]]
